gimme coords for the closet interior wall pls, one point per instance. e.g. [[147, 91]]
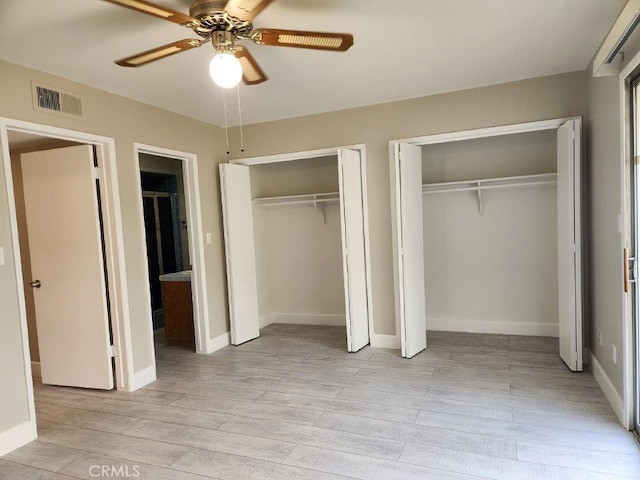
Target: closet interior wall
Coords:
[[298, 246], [491, 266]]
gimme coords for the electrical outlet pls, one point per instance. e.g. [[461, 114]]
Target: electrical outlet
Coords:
[[614, 354], [599, 335], [1, 256]]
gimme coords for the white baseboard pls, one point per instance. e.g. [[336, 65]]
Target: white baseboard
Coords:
[[336, 320], [17, 437], [608, 389], [36, 372], [143, 378], [385, 341], [496, 327], [215, 344]]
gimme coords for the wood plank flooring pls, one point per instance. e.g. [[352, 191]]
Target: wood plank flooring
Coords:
[[293, 404]]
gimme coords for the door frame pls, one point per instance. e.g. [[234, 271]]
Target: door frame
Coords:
[[324, 152], [191, 181], [501, 130], [624, 407], [113, 238]]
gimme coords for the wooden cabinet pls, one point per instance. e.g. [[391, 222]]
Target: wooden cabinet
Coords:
[[178, 311]]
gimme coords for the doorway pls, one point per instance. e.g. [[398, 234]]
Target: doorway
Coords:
[[467, 168], [249, 306], [16, 134], [170, 210]]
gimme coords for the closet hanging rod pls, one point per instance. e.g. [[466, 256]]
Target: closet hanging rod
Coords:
[[309, 199], [491, 183], [489, 187]]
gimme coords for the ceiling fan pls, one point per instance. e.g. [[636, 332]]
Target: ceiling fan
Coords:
[[224, 22]]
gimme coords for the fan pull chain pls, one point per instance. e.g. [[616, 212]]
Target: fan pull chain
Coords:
[[240, 117], [226, 122]]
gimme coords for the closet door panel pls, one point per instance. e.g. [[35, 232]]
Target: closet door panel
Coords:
[[353, 247], [410, 249], [569, 245], [237, 213]]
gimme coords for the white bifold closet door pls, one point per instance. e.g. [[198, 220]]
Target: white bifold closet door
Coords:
[[570, 245], [67, 267], [410, 291], [240, 252], [353, 248], [235, 186]]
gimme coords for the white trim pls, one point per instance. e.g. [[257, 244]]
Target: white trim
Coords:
[[143, 378], [608, 389], [36, 371], [367, 237], [328, 319], [218, 343], [196, 239], [385, 341], [17, 437], [293, 156], [506, 327], [116, 264], [553, 124]]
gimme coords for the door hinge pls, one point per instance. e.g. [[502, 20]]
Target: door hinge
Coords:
[[111, 351], [95, 173]]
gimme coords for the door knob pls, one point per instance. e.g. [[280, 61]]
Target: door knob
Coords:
[[35, 284]]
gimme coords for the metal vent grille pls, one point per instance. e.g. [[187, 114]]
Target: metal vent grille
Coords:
[[57, 101]]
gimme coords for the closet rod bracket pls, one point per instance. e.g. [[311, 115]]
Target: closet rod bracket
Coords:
[[320, 207], [480, 203]]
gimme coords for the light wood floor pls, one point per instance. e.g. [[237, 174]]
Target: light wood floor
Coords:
[[294, 405]]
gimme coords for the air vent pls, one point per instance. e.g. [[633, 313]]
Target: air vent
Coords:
[[54, 100]]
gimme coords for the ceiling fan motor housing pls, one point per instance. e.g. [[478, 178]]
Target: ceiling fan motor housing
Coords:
[[212, 18]]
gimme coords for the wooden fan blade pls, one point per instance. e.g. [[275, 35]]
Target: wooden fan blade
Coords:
[[246, 10], [160, 52], [158, 11], [252, 74], [337, 42]]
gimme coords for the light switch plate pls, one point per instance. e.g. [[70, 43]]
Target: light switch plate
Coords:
[[1, 256], [209, 239]]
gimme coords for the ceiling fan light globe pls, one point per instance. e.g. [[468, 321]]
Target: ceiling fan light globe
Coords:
[[225, 70]]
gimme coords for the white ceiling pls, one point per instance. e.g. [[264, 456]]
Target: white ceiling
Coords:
[[403, 49]]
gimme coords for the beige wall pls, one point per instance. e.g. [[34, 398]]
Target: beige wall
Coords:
[[529, 100], [496, 272], [127, 122], [503, 156], [297, 177], [299, 257], [14, 403], [605, 250]]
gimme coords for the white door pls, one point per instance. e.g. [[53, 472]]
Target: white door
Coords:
[[67, 267], [569, 245], [353, 249], [410, 294], [237, 214]]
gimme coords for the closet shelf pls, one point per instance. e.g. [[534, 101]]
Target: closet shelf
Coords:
[[317, 200], [544, 179]]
